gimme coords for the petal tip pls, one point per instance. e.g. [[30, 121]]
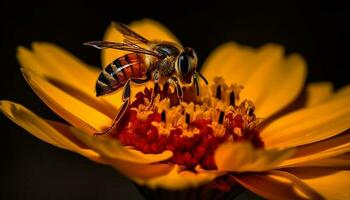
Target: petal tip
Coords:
[[4, 104], [21, 52]]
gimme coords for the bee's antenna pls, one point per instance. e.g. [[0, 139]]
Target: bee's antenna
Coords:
[[204, 79], [94, 44]]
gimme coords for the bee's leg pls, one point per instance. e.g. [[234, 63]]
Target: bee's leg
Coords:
[[156, 87], [195, 78], [126, 99], [126, 91], [166, 87], [179, 92], [155, 92], [116, 119]]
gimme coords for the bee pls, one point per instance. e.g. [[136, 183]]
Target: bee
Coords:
[[161, 62]]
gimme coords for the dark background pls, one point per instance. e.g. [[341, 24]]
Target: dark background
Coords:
[[32, 169]]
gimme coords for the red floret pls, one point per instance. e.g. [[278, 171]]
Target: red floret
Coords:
[[188, 151]]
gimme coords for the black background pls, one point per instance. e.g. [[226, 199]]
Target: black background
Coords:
[[32, 169]]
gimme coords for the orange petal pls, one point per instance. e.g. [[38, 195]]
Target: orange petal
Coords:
[[178, 179], [112, 149], [317, 153], [68, 107], [243, 157], [310, 124], [329, 182], [318, 92], [270, 80], [150, 29], [276, 185], [43, 130]]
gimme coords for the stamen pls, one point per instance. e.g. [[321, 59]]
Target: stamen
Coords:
[[218, 92], [163, 116], [232, 98], [238, 131], [187, 118], [221, 117], [250, 111]]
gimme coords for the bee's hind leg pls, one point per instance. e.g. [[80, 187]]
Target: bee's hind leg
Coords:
[[116, 119], [126, 100]]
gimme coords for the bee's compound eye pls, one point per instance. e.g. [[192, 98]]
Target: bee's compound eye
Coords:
[[184, 64]]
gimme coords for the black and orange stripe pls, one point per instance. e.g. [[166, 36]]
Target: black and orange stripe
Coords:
[[116, 74]]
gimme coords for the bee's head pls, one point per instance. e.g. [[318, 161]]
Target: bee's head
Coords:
[[186, 65]]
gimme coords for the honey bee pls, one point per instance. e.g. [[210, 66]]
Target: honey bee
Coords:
[[162, 62]]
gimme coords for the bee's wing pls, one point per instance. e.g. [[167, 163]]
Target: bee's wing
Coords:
[[130, 34], [126, 46]]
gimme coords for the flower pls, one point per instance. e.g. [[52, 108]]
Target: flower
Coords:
[[254, 134]]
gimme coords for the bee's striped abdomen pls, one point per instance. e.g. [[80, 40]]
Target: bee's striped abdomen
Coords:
[[116, 74]]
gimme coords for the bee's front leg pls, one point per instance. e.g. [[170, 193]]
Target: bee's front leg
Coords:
[[156, 87], [179, 91], [126, 100], [155, 92]]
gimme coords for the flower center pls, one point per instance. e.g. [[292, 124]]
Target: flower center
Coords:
[[192, 129]]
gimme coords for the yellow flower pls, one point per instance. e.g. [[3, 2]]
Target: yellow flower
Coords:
[[294, 151]]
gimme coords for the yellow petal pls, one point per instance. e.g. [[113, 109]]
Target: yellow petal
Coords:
[[270, 80], [150, 29], [69, 73], [52, 61], [43, 130], [243, 157], [178, 179], [60, 135], [68, 107], [317, 153], [330, 183], [341, 161], [310, 124], [111, 148], [276, 185], [226, 60], [318, 92], [139, 171]]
